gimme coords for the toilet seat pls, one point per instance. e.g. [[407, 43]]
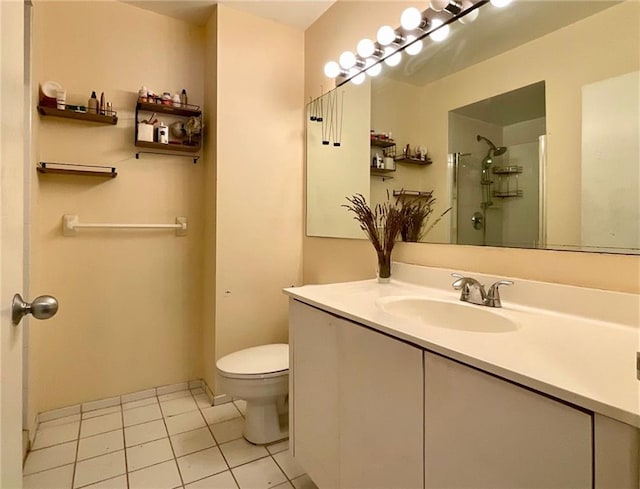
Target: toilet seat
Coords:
[[259, 362]]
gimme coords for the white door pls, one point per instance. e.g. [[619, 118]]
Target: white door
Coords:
[[11, 236]]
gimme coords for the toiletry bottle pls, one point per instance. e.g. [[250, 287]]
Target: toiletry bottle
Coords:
[[103, 107], [176, 100], [183, 98], [93, 104], [163, 133]]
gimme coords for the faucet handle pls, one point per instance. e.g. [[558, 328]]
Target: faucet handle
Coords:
[[493, 295]]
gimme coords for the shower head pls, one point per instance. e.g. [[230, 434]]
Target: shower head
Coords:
[[496, 150]]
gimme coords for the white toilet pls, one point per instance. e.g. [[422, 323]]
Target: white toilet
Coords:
[[260, 376]]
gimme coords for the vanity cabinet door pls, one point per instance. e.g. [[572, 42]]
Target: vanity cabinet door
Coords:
[[483, 432], [617, 456], [313, 393], [380, 410], [356, 406]]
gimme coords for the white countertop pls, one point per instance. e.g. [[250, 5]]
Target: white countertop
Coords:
[[584, 361]]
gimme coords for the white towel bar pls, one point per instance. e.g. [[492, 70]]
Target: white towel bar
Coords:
[[71, 223]]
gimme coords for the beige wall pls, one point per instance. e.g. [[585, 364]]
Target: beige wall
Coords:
[[130, 315], [210, 145], [327, 259], [259, 173]]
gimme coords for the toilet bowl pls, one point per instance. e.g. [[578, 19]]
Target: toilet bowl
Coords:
[[259, 376]]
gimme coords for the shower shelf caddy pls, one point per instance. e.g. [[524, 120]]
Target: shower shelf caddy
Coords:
[[507, 172]]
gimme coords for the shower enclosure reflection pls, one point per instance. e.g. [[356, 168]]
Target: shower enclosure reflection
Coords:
[[495, 154]]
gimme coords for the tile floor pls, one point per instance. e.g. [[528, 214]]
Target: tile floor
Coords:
[[175, 440]]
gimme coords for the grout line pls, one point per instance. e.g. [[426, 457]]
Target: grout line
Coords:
[[175, 459], [75, 461], [124, 444]]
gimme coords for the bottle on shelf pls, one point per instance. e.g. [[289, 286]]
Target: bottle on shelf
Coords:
[[92, 104]]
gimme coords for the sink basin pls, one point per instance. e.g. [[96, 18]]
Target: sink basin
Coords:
[[444, 314]]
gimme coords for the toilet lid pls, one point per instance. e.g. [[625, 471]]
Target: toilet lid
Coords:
[[257, 360]]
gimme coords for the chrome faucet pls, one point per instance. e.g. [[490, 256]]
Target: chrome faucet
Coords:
[[473, 291]]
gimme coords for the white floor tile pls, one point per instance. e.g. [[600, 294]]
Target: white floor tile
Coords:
[[196, 390], [223, 480], [184, 422], [178, 406], [201, 464], [48, 458], [228, 430], [263, 473], [142, 433], [142, 414], [238, 452], [241, 405], [289, 466], [101, 424], [202, 400], [101, 444], [286, 485], [278, 447], [58, 478], [147, 454], [99, 412], [174, 395], [304, 482], [147, 401], [99, 468], [119, 482], [47, 436], [218, 414], [192, 441], [161, 476]]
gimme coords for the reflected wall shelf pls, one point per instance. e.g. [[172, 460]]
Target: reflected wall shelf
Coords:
[[74, 169], [382, 143], [413, 161], [109, 118], [412, 193]]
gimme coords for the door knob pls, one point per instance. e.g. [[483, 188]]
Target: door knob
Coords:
[[42, 307]]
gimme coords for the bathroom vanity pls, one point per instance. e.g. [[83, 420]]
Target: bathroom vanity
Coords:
[[399, 386]]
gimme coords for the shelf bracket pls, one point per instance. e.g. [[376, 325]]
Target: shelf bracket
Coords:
[[194, 157]]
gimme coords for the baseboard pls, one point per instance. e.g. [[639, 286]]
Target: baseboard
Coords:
[[93, 405]]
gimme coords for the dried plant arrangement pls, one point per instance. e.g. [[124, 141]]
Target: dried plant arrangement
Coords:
[[417, 212], [382, 225]]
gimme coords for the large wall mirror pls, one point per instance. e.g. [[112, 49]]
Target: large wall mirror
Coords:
[[524, 123]]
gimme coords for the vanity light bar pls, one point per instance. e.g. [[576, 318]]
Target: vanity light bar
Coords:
[[415, 26]]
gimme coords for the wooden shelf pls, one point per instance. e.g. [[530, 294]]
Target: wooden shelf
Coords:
[[190, 110], [169, 147], [414, 161], [382, 143], [80, 116], [71, 169]]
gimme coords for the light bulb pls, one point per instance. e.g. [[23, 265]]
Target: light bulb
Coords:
[[374, 70], [347, 60], [358, 79], [410, 18], [500, 3], [414, 48], [332, 69], [366, 48], [386, 35], [438, 5], [394, 59], [441, 34], [470, 17]]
